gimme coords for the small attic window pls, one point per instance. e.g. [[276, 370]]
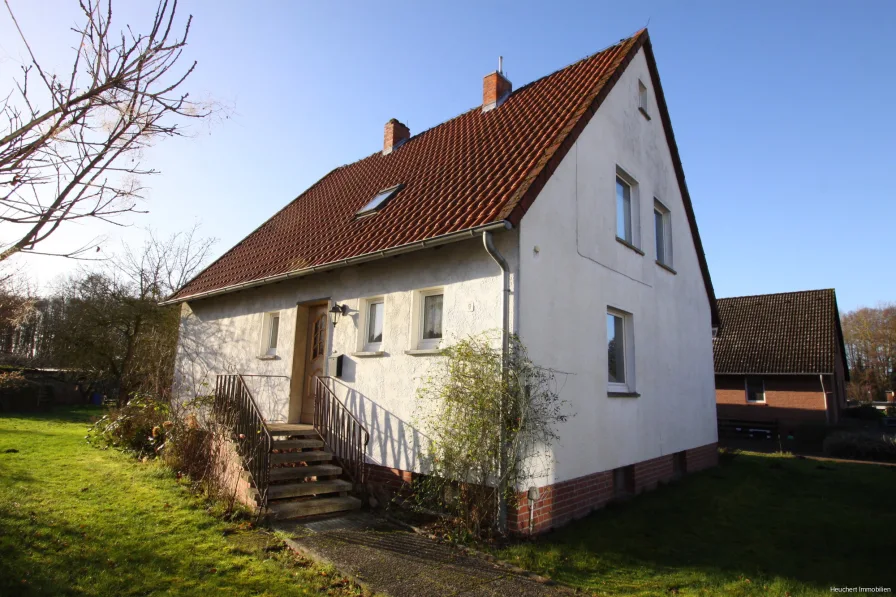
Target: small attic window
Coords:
[[379, 201], [642, 100]]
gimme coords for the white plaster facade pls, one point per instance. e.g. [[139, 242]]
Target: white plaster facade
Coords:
[[580, 269], [567, 268], [223, 334]]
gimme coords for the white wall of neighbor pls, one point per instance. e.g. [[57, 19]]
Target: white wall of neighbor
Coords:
[[223, 335], [579, 269]]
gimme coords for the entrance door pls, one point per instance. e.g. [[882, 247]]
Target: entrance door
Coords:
[[315, 357]]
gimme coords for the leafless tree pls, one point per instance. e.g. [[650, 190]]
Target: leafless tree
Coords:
[[112, 327], [70, 145], [870, 338]]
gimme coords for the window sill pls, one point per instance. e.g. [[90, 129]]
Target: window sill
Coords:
[[630, 246], [419, 352], [623, 394], [268, 357], [369, 353], [666, 267], [644, 112]]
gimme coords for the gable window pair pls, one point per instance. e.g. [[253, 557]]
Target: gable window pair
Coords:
[[627, 220], [429, 321]]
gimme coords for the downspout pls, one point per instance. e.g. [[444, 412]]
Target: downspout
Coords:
[[489, 243], [827, 413]]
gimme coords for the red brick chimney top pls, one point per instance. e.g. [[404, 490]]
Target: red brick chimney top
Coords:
[[495, 89], [396, 134]]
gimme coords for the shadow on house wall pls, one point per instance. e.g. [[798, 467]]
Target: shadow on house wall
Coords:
[[394, 442], [211, 345]]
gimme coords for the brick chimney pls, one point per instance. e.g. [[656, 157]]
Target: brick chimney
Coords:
[[396, 134], [495, 88]]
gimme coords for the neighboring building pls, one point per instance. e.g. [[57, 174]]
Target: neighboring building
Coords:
[[559, 211], [780, 358]]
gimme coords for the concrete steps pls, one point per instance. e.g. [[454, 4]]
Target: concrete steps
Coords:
[[277, 492], [313, 507], [298, 444], [293, 457], [291, 473], [311, 489], [292, 429]]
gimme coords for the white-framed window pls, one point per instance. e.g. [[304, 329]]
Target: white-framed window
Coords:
[[662, 227], [642, 98], [755, 389], [270, 333], [374, 313], [623, 210], [429, 318], [627, 212], [620, 351]]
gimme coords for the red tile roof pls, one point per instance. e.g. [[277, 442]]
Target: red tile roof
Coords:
[[477, 169], [789, 332]]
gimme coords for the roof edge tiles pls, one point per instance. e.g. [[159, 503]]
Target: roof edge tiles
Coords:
[[373, 256]]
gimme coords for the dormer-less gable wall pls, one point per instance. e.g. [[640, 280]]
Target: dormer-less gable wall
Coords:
[[573, 268]]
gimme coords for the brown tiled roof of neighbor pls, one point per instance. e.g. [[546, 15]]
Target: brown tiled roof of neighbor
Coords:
[[477, 169], [790, 332]]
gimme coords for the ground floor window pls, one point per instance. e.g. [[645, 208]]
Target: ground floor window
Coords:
[[620, 351]]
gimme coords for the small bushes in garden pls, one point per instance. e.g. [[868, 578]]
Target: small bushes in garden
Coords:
[[861, 445], [138, 427], [490, 423], [180, 436]]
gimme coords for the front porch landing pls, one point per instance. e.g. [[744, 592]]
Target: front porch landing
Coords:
[[291, 429]]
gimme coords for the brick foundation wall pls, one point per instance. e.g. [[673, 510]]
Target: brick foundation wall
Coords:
[[701, 458], [563, 502], [392, 479], [569, 500], [650, 473], [560, 503]]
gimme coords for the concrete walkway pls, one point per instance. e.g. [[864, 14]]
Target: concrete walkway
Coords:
[[389, 559]]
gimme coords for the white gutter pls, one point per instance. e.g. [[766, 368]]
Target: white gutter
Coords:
[[435, 241]]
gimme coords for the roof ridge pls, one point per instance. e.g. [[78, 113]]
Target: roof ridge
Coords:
[[792, 292], [583, 59], [512, 93]]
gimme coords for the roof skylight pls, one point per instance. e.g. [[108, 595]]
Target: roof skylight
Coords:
[[379, 201]]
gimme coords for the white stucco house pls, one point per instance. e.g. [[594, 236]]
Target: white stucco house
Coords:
[[558, 211]]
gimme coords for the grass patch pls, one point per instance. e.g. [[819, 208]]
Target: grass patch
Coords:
[[75, 520], [758, 525]]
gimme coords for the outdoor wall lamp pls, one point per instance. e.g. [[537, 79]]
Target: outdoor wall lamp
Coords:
[[338, 310]]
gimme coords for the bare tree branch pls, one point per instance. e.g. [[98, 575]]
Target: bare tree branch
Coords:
[[69, 145]]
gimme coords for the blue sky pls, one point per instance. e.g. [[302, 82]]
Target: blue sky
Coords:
[[781, 111]]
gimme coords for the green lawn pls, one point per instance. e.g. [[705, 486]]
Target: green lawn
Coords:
[[75, 520], [757, 525]]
